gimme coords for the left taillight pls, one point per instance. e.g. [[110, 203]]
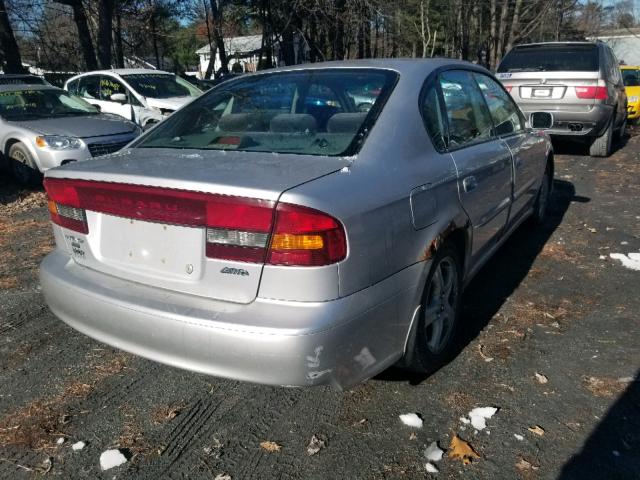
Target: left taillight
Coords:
[[64, 206]]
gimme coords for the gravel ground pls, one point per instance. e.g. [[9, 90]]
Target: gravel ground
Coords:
[[552, 341]]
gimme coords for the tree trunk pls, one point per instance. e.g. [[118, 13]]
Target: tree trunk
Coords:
[[501, 33], [105, 24], [84, 34], [338, 53], [8, 44], [491, 44], [216, 15], [118, 38], [515, 25], [154, 35]]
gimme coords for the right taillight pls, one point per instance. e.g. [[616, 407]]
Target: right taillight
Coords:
[[592, 92], [306, 237], [508, 88]]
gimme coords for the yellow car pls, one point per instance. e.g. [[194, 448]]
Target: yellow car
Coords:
[[631, 76]]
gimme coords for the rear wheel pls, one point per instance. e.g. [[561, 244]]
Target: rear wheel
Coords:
[[601, 146], [621, 131], [434, 339], [23, 165]]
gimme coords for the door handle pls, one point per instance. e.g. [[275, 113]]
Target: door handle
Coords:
[[469, 183]]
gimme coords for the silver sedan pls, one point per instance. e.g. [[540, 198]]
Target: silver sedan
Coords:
[[42, 127], [271, 232]]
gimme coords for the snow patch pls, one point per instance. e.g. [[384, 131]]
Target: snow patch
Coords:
[[518, 437], [111, 458], [433, 453], [480, 415], [431, 468], [78, 446], [631, 260], [412, 420]]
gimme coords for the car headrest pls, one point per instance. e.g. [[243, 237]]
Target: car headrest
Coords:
[[293, 123], [234, 122], [345, 122]]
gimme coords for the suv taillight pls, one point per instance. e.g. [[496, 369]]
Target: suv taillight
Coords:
[[592, 92], [237, 228]]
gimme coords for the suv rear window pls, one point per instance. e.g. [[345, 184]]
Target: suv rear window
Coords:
[[314, 112], [551, 58]]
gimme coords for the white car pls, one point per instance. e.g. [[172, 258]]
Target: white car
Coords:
[[141, 95]]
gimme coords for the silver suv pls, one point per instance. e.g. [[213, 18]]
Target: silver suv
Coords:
[[578, 82]]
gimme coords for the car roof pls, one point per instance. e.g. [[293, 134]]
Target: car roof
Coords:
[[126, 71], [557, 44], [18, 75], [400, 65], [27, 86]]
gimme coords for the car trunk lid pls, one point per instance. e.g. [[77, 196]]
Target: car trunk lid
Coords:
[[180, 220]]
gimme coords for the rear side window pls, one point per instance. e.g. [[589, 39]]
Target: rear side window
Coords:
[[504, 113], [433, 119], [551, 58], [467, 115], [89, 87]]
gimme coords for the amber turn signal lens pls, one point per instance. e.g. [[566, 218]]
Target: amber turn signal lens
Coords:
[[287, 241]]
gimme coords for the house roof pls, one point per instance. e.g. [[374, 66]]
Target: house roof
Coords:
[[233, 45]]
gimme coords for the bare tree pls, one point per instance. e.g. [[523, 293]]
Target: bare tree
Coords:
[[8, 44]]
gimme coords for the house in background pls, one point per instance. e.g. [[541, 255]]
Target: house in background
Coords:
[[245, 52], [625, 43]]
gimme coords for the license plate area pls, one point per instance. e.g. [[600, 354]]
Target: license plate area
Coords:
[[541, 92], [153, 248]]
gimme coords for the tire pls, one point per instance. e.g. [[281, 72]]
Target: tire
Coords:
[[23, 166], [601, 146], [542, 199], [621, 131], [433, 341]]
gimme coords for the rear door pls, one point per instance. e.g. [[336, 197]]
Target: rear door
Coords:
[[482, 159], [527, 152]]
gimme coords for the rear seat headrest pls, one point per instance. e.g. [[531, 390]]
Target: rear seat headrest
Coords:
[[234, 122], [345, 122], [293, 123]]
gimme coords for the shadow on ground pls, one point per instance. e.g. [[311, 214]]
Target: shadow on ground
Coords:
[[612, 451], [500, 277]]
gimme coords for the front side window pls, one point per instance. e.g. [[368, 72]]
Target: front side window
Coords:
[[467, 115], [110, 86], [29, 104], [160, 85], [504, 113], [631, 77], [306, 112]]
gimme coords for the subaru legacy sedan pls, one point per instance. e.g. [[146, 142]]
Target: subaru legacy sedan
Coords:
[[42, 127], [298, 243]]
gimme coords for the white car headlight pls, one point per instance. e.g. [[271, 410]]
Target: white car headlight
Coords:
[[58, 142], [633, 99]]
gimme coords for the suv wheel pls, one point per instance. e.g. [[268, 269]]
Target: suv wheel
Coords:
[[621, 131], [434, 340], [23, 166], [601, 146], [542, 200]]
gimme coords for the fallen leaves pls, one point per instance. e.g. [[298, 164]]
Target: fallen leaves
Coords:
[[525, 466], [536, 430], [315, 445], [541, 378], [459, 448], [604, 386], [270, 447]]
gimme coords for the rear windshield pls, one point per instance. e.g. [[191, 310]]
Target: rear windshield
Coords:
[[631, 78], [317, 112], [556, 58]]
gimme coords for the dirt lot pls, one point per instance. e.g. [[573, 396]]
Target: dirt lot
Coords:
[[553, 342]]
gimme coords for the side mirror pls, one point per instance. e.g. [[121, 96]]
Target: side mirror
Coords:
[[118, 97], [541, 120]]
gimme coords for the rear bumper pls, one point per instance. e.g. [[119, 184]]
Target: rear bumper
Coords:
[[339, 343], [588, 123]]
